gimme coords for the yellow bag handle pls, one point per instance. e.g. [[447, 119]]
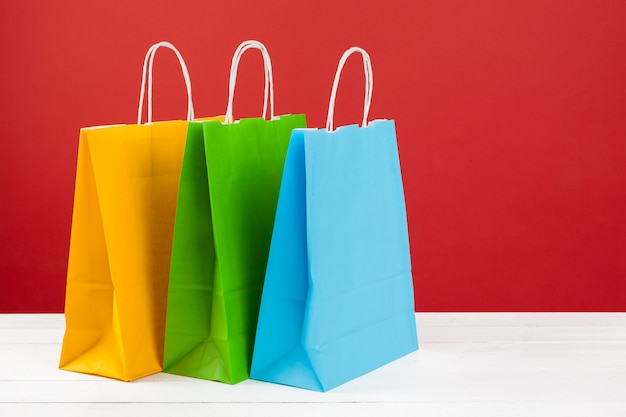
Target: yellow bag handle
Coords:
[[148, 70]]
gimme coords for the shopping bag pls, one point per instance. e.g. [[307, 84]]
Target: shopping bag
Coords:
[[227, 201], [338, 295], [121, 237]]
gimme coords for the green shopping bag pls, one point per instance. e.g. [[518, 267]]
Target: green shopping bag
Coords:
[[227, 201]]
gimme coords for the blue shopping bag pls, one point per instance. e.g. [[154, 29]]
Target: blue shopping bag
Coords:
[[338, 293]]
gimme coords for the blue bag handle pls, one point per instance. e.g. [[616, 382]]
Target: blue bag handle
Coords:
[[369, 86]]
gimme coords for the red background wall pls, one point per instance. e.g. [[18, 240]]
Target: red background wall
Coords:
[[510, 121]]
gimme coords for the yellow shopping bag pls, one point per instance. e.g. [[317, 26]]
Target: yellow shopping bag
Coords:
[[122, 225]]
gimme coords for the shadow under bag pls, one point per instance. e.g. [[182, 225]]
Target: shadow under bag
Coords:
[[338, 293]]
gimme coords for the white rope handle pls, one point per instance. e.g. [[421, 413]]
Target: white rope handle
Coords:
[[148, 64], [269, 80], [369, 86]]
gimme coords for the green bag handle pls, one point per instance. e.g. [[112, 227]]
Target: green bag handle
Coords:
[[147, 69], [269, 80], [369, 86]]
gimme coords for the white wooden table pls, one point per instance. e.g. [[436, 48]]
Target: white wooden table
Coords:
[[469, 364]]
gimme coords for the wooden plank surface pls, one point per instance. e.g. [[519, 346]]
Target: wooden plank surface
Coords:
[[470, 364]]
